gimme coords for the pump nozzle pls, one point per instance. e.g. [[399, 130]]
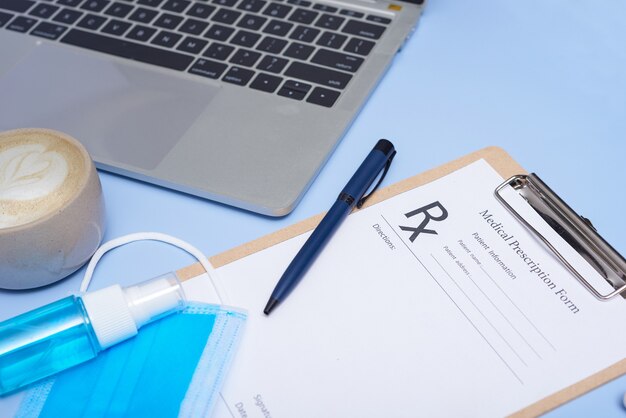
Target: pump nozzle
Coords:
[[154, 298], [116, 314]]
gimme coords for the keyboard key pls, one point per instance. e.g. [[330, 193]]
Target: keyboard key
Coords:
[[359, 46], [272, 45], [218, 51], [67, 16], [293, 93], [193, 26], [245, 38], [4, 18], [208, 68], [363, 29], [127, 49], [43, 11], [332, 40], [323, 97], [143, 15], [278, 27], [49, 30], [141, 33], [304, 34], [200, 10], [272, 64], [166, 39], [251, 5], [297, 85], [277, 10], [351, 13], [303, 16], [226, 16], [251, 22], [303, 3], [238, 75], [266, 82], [245, 57], [116, 27], [94, 5], [151, 3], [168, 21], [176, 5], [22, 24], [228, 3], [379, 19], [319, 75], [192, 45], [219, 32], [325, 8], [70, 3], [19, 6], [327, 21], [119, 10], [337, 60], [300, 51], [92, 22]]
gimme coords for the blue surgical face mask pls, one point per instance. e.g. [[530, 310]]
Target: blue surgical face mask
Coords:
[[173, 368]]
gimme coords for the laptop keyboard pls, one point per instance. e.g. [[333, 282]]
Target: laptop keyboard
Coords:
[[294, 48]]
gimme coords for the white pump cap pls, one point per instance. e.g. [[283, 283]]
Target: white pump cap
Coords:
[[116, 314]]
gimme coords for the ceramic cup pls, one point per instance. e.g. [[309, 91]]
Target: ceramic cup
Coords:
[[51, 207]]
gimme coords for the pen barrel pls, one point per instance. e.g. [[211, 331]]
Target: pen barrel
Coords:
[[369, 170], [376, 163], [311, 249]]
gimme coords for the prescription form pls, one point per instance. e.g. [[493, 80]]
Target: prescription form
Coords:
[[435, 293]]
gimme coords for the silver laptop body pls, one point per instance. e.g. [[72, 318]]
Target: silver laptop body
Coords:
[[198, 124]]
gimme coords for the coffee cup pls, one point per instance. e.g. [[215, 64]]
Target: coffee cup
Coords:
[[51, 207]]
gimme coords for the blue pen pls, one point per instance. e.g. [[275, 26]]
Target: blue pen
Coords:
[[379, 159]]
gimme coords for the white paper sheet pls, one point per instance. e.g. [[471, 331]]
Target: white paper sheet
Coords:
[[477, 319]]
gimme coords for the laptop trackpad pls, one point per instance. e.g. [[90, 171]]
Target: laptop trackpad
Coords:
[[122, 112]]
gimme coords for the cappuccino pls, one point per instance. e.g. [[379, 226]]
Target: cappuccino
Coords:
[[51, 207], [40, 172]]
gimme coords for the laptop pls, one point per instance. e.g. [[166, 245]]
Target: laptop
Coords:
[[237, 101]]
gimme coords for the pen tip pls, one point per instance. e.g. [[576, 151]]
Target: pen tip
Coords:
[[271, 304]]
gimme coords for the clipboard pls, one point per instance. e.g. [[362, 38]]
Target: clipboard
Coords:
[[520, 180]]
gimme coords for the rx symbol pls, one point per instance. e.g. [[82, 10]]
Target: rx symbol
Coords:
[[428, 216]]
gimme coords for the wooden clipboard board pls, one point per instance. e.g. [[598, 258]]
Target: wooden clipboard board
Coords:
[[499, 160]]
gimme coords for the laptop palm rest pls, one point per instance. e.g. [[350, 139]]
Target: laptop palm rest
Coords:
[[122, 112]]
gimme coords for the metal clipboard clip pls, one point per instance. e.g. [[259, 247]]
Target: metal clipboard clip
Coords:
[[576, 230]]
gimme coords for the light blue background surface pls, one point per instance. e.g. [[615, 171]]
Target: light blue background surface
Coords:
[[545, 80]]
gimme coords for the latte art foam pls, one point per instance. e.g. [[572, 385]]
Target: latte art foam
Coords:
[[30, 171], [39, 173]]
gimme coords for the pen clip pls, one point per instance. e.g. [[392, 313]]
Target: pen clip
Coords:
[[361, 201]]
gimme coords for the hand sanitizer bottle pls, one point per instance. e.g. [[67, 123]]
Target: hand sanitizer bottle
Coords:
[[70, 331]]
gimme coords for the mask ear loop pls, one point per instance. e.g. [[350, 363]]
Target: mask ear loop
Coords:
[[149, 236]]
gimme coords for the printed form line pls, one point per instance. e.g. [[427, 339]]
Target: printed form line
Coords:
[[227, 405], [517, 307], [480, 311], [455, 304], [505, 317]]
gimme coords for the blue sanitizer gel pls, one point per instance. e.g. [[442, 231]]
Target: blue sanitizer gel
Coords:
[[41, 342], [70, 331]]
